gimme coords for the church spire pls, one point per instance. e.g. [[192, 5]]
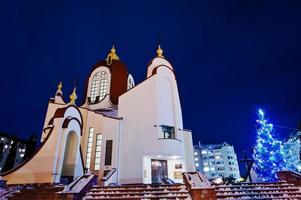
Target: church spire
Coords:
[[73, 97], [160, 52], [112, 56]]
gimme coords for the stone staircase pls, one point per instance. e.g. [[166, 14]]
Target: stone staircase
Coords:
[[138, 192], [40, 192], [254, 191]]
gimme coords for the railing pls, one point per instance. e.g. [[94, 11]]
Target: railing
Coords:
[[170, 139], [168, 181], [8, 193], [108, 176], [79, 186]]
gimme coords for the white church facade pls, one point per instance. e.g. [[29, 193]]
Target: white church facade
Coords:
[[124, 132]]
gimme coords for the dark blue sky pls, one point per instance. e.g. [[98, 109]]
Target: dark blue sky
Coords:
[[230, 58]]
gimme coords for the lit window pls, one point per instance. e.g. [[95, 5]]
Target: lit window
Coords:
[[168, 132], [206, 169], [94, 86], [97, 152], [130, 82], [197, 164], [89, 147], [204, 152], [195, 153], [98, 148], [196, 159], [103, 85], [97, 166], [218, 157], [22, 155]]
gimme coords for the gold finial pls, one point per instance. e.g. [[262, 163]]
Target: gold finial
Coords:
[[59, 87], [112, 56], [73, 96], [160, 52]]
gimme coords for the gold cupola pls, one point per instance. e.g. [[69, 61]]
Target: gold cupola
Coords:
[[59, 89], [112, 56], [73, 97], [160, 52]]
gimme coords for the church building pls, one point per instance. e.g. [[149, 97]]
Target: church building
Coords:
[[124, 133]]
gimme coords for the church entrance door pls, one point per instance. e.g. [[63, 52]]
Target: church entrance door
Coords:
[[159, 170], [69, 159]]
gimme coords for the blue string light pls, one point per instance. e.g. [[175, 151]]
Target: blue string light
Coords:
[[268, 153]]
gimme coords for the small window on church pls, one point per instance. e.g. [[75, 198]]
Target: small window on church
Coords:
[[131, 82], [103, 85], [94, 87], [168, 132], [97, 152], [108, 153], [89, 147]]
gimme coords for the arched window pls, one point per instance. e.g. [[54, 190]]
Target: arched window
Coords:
[[103, 85], [131, 82], [99, 86], [94, 87]]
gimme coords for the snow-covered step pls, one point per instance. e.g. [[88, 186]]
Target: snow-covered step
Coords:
[[132, 192], [277, 190]]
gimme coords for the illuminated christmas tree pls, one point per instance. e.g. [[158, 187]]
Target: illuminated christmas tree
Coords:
[[268, 155]]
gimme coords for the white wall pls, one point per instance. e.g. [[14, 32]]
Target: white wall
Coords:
[[189, 153], [110, 132], [144, 108], [46, 165], [155, 63], [171, 169], [51, 108]]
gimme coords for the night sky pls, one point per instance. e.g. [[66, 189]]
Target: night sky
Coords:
[[230, 58]]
